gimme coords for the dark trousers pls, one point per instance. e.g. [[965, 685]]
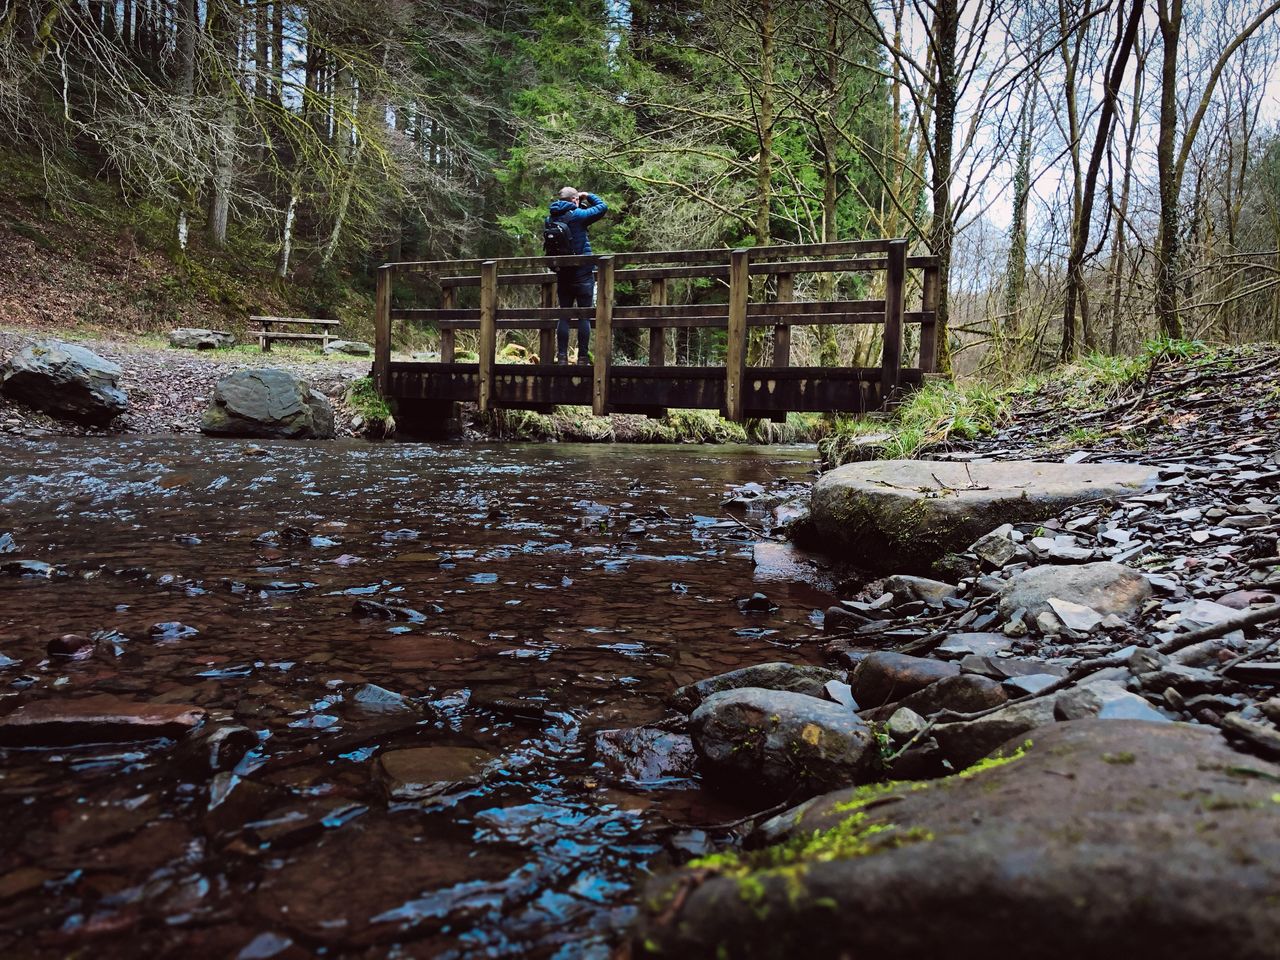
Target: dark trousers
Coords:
[[575, 291]]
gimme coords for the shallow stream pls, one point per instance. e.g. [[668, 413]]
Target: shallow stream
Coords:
[[539, 594]]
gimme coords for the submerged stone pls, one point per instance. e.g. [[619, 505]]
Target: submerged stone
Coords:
[[418, 773], [797, 678], [645, 755], [96, 719]]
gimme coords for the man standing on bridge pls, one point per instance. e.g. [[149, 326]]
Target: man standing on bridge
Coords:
[[576, 286]]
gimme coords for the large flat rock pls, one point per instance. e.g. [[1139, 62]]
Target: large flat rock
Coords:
[[100, 718], [904, 515], [1106, 839]]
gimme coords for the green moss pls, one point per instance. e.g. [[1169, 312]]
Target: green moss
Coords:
[[990, 763], [1122, 758], [363, 397]]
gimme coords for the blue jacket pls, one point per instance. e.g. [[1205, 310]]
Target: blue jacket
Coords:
[[578, 219]]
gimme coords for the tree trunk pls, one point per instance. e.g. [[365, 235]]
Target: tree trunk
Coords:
[[222, 28], [1170, 15], [1016, 269], [286, 236], [1119, 248], [1127, 33], [945, 29]]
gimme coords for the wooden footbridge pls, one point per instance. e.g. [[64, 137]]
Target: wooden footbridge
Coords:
[[736, 389]]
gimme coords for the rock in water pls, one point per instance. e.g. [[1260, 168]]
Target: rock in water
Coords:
[[418, 773], [197, 338], [1104, 587], [353, 348], [1114, 835], [897, 515], [770, 744], [98, 719], [804, 679], [267, 402], [644, 755], [66, 381]]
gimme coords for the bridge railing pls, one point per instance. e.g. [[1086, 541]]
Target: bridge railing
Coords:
[[737, 316]]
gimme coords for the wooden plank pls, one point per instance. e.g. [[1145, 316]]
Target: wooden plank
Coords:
[[547, 335], [782, 331], [928, 328], [891, 357], [842, 248], [736, 353], [488, 333], [382, 330], [282, 335], [295, 320], [715, 322], [604, 336], [448, 338], [651, 312], [713, 270], [657, 335]]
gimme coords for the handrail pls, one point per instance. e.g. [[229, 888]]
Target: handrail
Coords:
[[736, 317]]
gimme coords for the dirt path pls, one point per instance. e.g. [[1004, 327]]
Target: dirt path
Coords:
[[168, 388]]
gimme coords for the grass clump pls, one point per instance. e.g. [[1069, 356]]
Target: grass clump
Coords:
[[363, 398], [929, 417]]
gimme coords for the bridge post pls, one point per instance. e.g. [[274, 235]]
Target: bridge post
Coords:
[[604, 337], [488, 332], [929, 327], [547, 335], [735, 365], [782, 331], [891, 358], [449, 337], [382, 331], [657, 335]]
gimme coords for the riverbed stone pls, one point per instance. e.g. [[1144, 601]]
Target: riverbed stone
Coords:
[[965, 742], [66, 381], [1104, 587], [888, 677], [776, 744], [645, 754], [267, 402], [904, 515], [352, 348], [906, 588], [964, 693], [199, 338], [418, 773], [1107, 700], [1112, 835], [797, 678], [99, 718]]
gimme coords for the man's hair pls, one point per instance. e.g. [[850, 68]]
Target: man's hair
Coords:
[[568, 193]]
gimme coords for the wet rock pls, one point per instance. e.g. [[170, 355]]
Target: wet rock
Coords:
[[172, 630], [645, 755], [840, 619], [756, 603], [66, 381], [234, 801], [778, 744], [95, 719], [1188, 681], [8, 663], [266, 402], [1002, 668], [996, 550], [70, 646], [790, 516], [888, 677], [198, 338], [965, 693], [371, 698], [7, 543], [791, 677], [299, 823], [965, 742], [365, 607], [958, 645], [900, 515], [904, 724], [1105, 587], [1029, 683], [352, 348], [1113, 835], [932, 592], [214, 749], [419, 773], [1106, 701], [841, 693], [28, 568]]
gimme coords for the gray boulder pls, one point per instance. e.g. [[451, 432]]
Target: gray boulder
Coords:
[[67, 381], [905, 515], [774, 744], [268, 403], [1103, 839], [353, 348], [885, 677], [198, 338], [1106, 587], [933, 592], [809, 680]]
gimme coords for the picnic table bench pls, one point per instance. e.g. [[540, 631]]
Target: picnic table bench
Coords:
[[290, 332]]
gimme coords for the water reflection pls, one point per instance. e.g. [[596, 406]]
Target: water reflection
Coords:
[[346, 606]]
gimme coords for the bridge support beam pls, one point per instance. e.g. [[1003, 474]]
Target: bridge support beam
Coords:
[[735, 366], [382, 329], [891, 359], [604, 337], [488, 333]]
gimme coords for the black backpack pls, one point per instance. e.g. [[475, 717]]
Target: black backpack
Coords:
[[557, 240]]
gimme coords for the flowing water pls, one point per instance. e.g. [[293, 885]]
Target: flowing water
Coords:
[[537, 595]]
